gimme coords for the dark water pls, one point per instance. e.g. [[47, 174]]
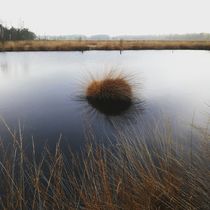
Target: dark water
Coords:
[[40, 90]]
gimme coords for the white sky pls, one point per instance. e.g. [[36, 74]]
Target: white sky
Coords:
[[113, 17]]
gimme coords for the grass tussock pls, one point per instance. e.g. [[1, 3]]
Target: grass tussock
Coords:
[[130, 175], [83, 45], [112, 95]]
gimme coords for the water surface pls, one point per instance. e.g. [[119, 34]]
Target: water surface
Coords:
[[38, 89]]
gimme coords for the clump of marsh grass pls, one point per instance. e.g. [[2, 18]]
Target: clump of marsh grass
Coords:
[[114, 95], [111, 96], [130, 175]]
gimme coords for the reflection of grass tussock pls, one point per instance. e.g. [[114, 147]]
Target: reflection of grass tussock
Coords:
[[129, 176]]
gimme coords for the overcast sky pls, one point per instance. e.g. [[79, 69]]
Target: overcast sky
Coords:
[[113, 17]]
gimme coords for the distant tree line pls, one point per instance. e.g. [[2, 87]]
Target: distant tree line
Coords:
[[175, 37], [12, 33]]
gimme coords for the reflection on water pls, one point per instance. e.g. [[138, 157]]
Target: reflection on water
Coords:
[[14, 67], [4, 67], [39, 89]]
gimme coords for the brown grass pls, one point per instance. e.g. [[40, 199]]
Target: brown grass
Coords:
[[131, 175], [118, 89], [112, 95], [82, 45]]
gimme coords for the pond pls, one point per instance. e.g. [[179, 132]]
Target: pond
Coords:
[[39, 90]]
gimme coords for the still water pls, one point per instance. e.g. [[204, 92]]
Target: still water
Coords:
[[39, 90]]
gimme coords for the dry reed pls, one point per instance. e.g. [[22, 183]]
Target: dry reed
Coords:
[[83, 45], [139, 172]]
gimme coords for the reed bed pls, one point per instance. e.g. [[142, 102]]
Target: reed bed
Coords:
[[136, 172], [83, 45]]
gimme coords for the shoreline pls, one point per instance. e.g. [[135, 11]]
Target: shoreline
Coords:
[[109, 45]]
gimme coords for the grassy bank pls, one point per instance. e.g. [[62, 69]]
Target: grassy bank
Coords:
[[82, 45], [129, 175]]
